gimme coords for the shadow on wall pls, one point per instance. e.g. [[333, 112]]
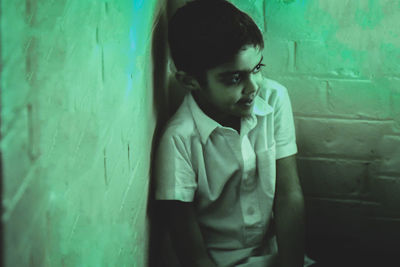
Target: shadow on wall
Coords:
[[159, 58], [167, 96]]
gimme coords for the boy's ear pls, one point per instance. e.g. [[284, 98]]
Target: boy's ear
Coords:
[[188, 81]]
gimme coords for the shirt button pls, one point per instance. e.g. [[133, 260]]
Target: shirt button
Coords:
[[248, 184], [250, 211]]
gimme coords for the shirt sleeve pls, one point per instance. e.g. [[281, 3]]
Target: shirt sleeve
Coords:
[[175, 178], [285, 137]]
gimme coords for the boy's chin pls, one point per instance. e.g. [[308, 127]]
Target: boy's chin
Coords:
[[245, 113]]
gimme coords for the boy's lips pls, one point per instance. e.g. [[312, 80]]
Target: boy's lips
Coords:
[[246, 101], [249, 100]]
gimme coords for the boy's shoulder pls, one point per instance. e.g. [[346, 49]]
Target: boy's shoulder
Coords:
[[181, 125], [272, 89]]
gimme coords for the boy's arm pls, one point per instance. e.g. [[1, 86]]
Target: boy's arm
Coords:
[[289, 213], [185, 233]]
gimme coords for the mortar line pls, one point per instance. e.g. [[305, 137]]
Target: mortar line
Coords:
[[396, 219], [345, 201], [388, 176], [319, 117], [324, 77], [338, 157]]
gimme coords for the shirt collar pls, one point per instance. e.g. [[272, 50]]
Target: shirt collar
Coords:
[[206, 125], [261, 107]]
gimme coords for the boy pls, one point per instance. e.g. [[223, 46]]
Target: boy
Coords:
[[225, 167]]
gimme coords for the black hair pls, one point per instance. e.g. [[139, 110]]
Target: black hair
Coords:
[[204, 34]]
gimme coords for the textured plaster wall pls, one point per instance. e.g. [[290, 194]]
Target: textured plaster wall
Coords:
[[340, 63], [76, 129]]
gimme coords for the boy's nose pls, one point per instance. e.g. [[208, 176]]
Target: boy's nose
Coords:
[[251, 86]]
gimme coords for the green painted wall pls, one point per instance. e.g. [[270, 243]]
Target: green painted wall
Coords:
[[77, 123]]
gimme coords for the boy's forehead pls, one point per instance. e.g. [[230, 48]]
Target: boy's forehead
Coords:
[[245, 60]]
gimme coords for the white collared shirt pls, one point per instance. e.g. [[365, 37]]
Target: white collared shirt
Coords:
[[229, 177]]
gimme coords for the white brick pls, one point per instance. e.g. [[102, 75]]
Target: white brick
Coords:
[[385, 234], [332, 178], [396, 109], [14, 99], [276, 57], [24, 219], [65, 205], [254, 8], [320, 57], [340, 138], [385, 190], [295, 26], [307, 95], [339, 216], [389, 151], [387, 59], [359, 99], [15, 156], [349, 240]]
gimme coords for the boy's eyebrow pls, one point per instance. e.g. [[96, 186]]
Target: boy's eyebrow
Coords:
[[228, 73]]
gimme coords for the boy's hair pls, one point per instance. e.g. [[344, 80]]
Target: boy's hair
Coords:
[[204, 34]]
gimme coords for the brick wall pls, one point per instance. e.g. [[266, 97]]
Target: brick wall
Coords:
[[340, 63], [76, 129]]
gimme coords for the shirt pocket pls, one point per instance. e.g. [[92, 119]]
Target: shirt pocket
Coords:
[[266, 157], [266, 171]]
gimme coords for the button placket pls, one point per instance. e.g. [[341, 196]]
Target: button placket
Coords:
[[249, 164], [249, 201], [233, 142], [252, 215]]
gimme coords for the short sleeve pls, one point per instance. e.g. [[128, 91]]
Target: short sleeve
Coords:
[[285, 137], [174, 175]]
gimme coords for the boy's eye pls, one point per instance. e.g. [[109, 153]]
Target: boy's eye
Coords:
[[235, 79], [258, 68]]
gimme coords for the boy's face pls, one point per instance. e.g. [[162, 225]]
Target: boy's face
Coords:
[[232, 87]]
